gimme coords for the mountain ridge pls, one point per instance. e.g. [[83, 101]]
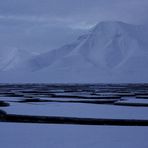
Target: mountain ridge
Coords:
[[111, 51]]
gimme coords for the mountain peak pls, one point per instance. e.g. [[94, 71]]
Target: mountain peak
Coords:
[[110, 44], [113, 27], [112, 24]]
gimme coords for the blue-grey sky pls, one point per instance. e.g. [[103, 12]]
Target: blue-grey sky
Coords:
[[39, 25]]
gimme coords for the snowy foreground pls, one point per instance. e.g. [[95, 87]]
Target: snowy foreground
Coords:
[[69, 136], [88, 101]]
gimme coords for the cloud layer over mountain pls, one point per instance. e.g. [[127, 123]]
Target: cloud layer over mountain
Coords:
[[41, 25]]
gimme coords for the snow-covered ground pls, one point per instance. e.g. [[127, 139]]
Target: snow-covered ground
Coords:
[[69, 136], [27, 135], [78, 110], [133, 100]]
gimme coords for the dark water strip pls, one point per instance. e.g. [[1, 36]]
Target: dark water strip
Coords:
[[71, 120]]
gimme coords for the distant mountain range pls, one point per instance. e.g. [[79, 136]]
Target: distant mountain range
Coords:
[[109, 52]]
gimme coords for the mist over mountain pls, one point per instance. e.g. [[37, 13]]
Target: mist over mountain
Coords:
[[111, 51]]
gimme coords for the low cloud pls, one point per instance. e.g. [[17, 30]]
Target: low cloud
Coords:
[[45, 24]]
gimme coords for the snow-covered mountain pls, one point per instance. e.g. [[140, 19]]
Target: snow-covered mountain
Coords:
[[109, 52], [15, 58]]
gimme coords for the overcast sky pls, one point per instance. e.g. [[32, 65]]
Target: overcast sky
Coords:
[[40, 25]]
